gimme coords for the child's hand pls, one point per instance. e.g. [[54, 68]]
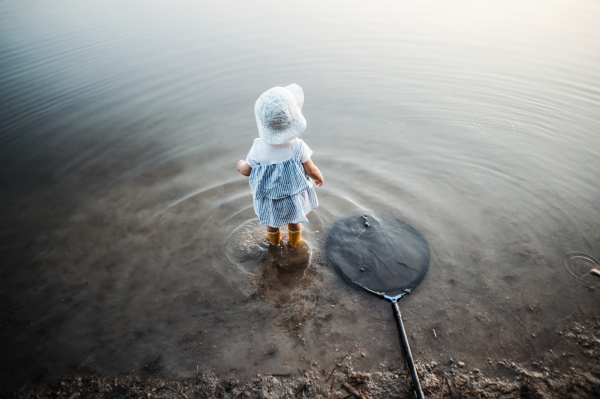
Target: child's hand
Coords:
[[244, 168], [312, 171]]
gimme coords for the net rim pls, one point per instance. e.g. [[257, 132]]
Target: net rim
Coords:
[[411, 229]]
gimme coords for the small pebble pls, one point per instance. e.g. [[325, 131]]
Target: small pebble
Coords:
[[461, 364], [595, 272], [367, 224]]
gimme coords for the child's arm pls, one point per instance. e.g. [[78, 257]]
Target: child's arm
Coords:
[[312, 171], [244, 168]]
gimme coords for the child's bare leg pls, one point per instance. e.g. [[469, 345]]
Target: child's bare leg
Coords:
[[295, 232], [295, 226], [274, 235]]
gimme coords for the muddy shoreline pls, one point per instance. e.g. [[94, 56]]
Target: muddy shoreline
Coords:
[[459, 379], [314, 384]]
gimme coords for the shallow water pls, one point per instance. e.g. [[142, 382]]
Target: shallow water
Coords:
[[129, 239]]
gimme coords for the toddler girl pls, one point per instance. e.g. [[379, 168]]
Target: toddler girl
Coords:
[[279, 164]]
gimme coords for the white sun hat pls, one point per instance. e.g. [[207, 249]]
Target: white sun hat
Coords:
[[278, 114]]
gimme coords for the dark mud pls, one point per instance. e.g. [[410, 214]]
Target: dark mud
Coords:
[[448, 378]]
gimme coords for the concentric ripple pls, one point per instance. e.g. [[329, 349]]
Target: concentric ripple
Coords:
[[578, 266], [246, 251], [246, 246], [537, 198], [491, 121], [468, 81], [573, 201]]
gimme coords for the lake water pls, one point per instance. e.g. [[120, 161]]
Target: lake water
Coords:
[[128, 239]]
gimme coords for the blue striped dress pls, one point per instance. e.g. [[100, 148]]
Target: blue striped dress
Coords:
[[282, 192]]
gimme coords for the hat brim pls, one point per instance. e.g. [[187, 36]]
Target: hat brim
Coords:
[[298, 94]]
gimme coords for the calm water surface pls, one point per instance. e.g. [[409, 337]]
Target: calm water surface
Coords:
[[128, 238]]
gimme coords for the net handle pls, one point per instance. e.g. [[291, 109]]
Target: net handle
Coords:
[[407, 353], [403, 339]]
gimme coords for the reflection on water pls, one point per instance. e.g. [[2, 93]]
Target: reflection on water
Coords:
[[286, 269], [283, 278], [278, 274], [128, 238]]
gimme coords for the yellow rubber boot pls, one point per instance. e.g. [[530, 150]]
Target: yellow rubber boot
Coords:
[[274, 237], [295, 237]]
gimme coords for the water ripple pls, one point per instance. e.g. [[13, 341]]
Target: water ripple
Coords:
[[578, 266], [493, 122]]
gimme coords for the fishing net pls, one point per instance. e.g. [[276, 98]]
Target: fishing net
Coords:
[[378, 252]]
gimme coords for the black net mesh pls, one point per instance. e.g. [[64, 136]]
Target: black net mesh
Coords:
[[378, 252]]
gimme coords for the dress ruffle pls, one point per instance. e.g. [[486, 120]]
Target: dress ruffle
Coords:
[[292, 209]]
